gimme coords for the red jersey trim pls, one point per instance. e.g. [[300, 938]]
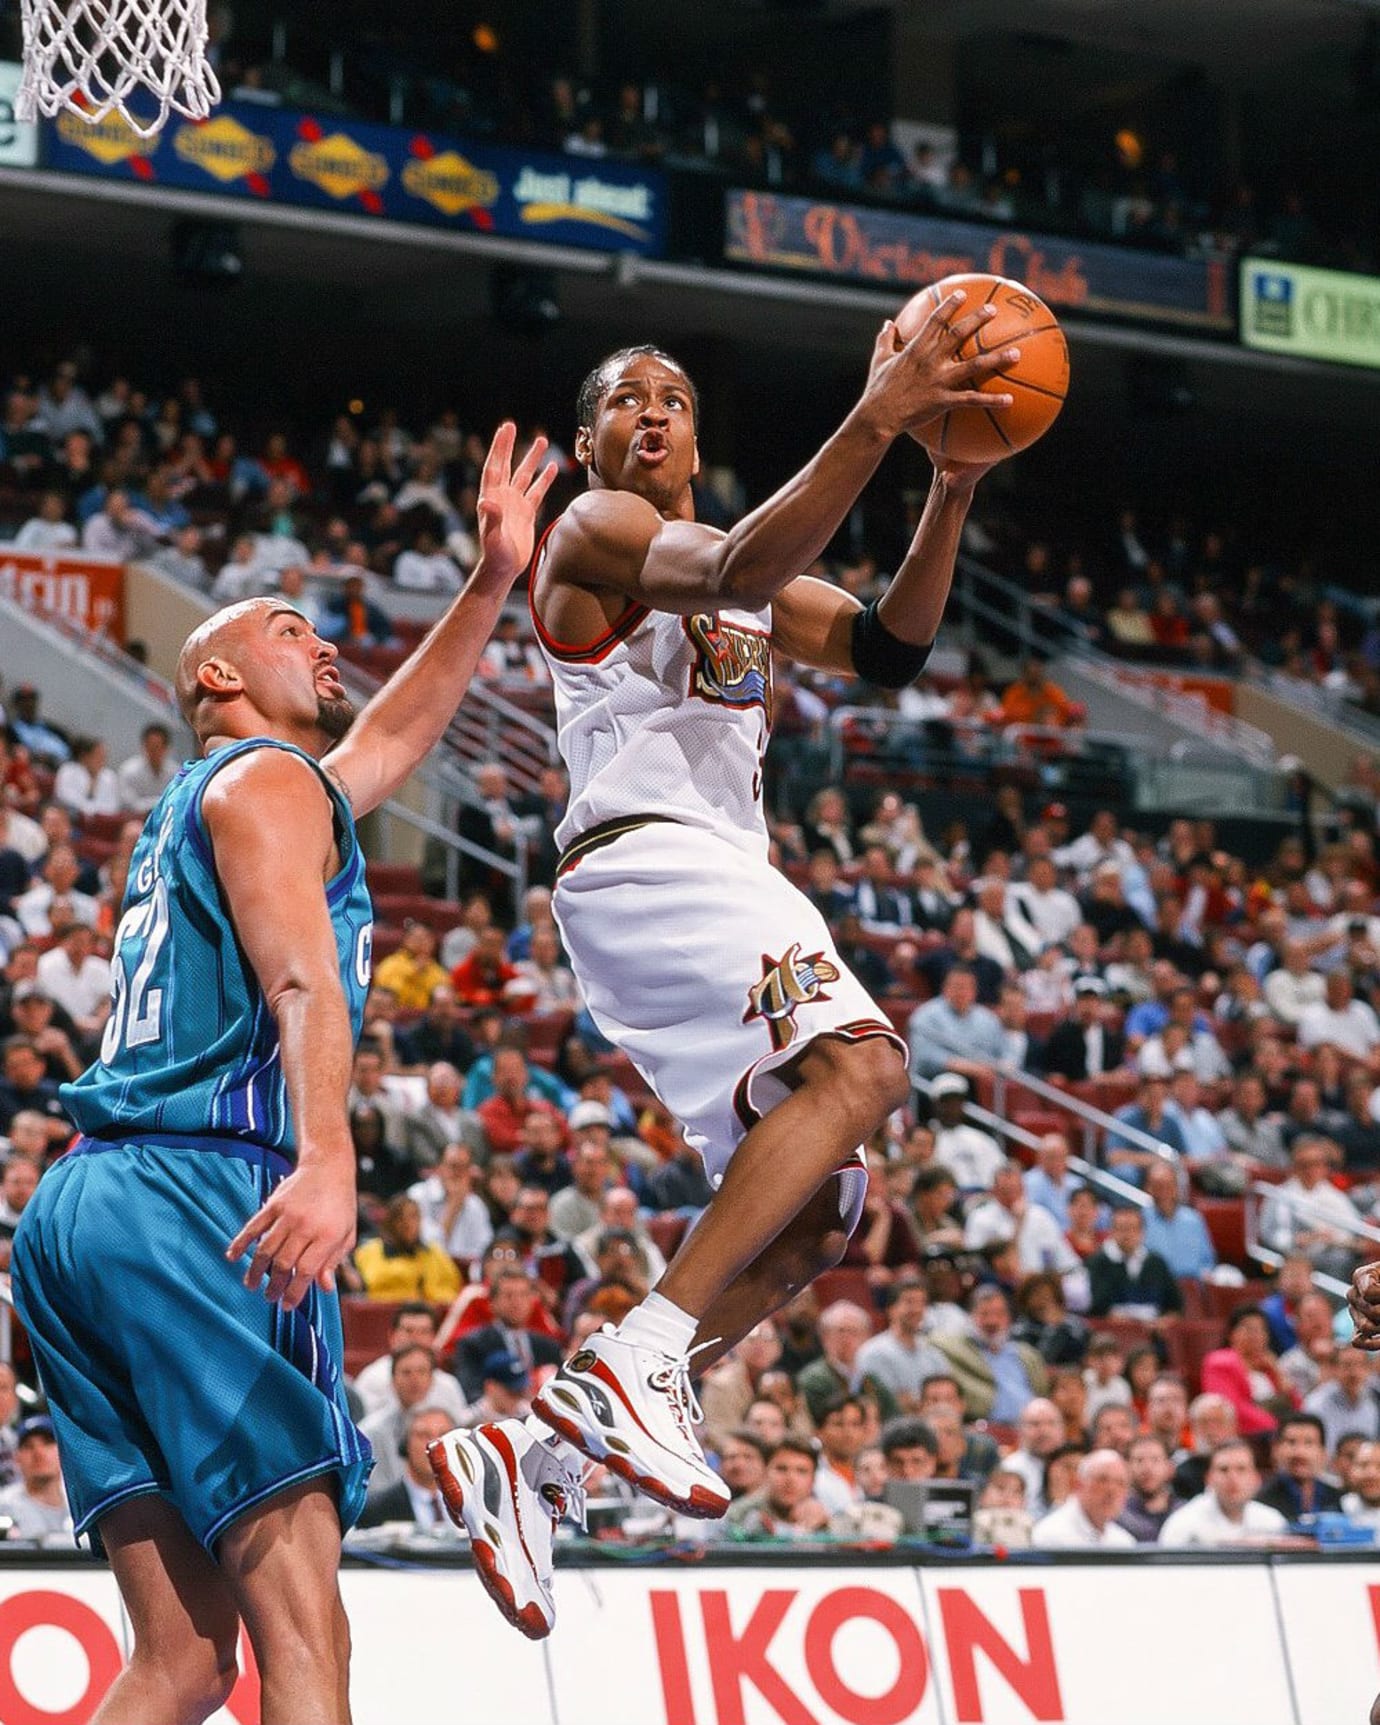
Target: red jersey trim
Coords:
[[581, 652]]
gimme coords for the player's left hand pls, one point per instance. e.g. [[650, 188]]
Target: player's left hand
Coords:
[[959, 475], [300, 1235], [509, 501], [1364, 1304]]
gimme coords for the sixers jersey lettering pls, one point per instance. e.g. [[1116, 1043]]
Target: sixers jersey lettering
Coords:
[[190, 1047], [665, 715]]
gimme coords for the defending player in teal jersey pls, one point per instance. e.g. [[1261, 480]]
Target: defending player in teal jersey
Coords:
[[176, 1269]]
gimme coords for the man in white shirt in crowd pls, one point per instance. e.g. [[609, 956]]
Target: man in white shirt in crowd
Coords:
[[900, 1359], [78, 979], [414, 1325], [146, 775], [425, 567], [19, 833], [1004, 933], [971, 1155], [1294, 986], [117, 530], [1225, 1513], [1328, 1231], [1340, 1022], [1041, 1431], [49, 530], [453, 1216], [1009, 1215], [416, 1383], [1100, 844], [1088, 1517], [36, 1504], [1049, 909], [55, 890]]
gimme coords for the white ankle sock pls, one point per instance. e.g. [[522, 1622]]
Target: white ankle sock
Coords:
[[656, 1323], [535, 1426]]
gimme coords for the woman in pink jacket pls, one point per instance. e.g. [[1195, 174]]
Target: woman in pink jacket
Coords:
[[1248, 1375]]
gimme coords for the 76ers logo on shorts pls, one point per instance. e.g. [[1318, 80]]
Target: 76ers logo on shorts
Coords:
[[787, 984]]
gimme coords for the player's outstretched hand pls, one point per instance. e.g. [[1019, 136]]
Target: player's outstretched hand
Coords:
[[910, 383], [1364, 1303], [509, 501], [960, 475], [299, 1236]]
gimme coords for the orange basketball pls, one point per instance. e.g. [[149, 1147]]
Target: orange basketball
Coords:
[[1039, 381]]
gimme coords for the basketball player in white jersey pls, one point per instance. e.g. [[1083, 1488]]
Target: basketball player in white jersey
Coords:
[[695, 956]]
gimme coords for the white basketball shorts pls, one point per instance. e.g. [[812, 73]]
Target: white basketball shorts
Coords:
[[708, 969]]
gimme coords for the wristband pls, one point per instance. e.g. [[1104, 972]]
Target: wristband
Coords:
[[881, 658]]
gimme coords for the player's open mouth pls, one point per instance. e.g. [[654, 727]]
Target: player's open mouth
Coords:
[[331, 682], [652, 451]]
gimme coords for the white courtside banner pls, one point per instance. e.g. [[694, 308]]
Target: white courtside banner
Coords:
[[871, 1644]]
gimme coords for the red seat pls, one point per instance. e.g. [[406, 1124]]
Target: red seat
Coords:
[[546, 1031], [667, 1230], [1190, 1341], [393, 878], [104, 826], [1226, 1225], [442, 914], [1041, 1120], [847, 1284]]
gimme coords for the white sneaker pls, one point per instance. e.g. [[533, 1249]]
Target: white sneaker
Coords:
[[508, 1492], [632, 1408]]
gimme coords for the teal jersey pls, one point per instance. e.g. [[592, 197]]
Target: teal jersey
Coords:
[[191, 1048]]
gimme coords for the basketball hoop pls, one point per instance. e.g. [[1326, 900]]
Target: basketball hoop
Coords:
[[91, 56]]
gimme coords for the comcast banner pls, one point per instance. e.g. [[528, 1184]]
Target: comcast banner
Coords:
[[1314, 314]]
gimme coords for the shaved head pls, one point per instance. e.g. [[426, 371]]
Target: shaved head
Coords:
[[227, 663]]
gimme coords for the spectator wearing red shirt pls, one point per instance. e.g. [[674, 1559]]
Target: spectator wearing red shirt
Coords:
[[514, 1098], [279, 463], [480, 979]]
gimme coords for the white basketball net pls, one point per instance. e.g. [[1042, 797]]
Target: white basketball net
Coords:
[[91, 56]]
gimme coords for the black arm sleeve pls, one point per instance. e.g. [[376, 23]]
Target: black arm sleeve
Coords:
[[881, 658]]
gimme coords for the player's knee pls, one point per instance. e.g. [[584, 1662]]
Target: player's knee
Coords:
[[870, 1075], [876, 1077], [830, 1253]]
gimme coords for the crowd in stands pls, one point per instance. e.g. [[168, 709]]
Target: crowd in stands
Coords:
[[1096, 1353], [362, 515]]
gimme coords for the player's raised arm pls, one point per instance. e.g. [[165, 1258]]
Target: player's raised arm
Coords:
[[888, 641], [270, 824], [409, 714], [618, 536]]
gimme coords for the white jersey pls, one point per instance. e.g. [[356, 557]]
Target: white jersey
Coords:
[[665, 715]]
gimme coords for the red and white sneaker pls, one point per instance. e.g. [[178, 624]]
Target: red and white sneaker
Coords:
[[508, 1492], [632, 1408]]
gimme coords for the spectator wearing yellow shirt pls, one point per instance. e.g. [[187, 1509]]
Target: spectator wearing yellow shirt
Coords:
[[398, 1266], [411, 973]]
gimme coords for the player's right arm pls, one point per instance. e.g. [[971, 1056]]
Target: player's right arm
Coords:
[[615, 541], [273, 837]]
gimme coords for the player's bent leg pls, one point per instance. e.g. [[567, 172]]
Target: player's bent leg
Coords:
[[185, 1622], [844, 1091], [814, 1242], [624, 1399], [282, 1563]]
